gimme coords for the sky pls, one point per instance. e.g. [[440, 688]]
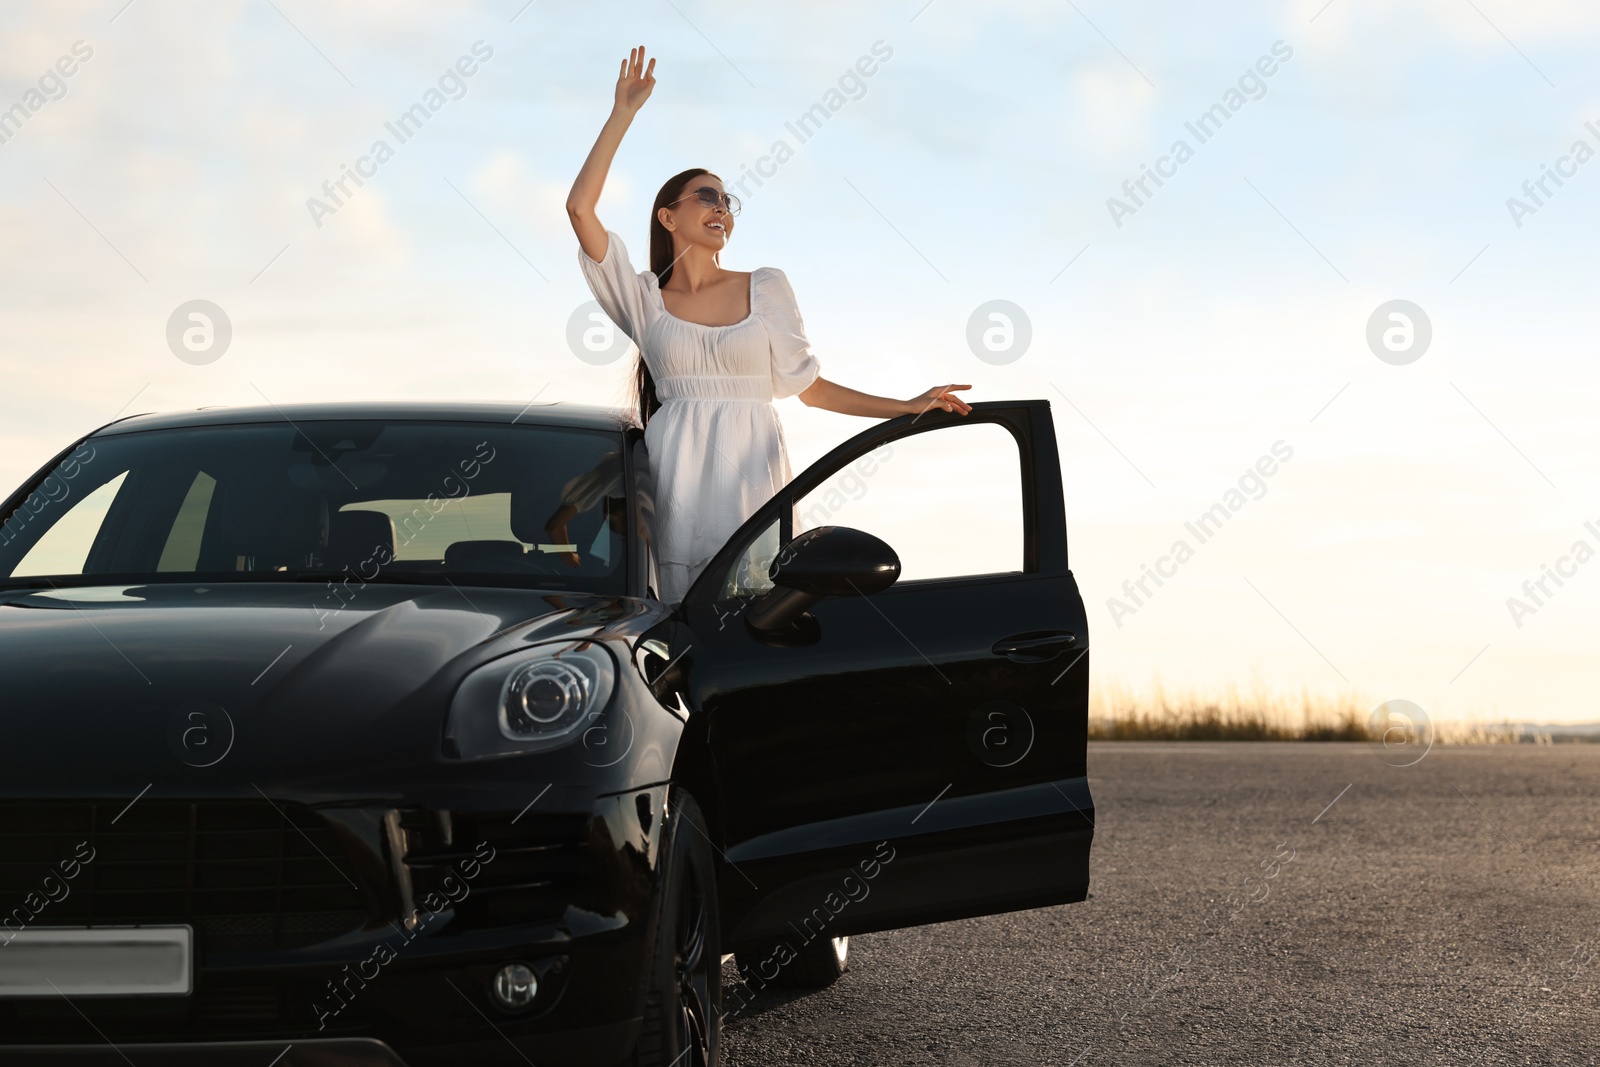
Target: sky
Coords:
[[1357, 154]]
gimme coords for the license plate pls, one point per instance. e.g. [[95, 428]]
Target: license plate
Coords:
[[97, 961]]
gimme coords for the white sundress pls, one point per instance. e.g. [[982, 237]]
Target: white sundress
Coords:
[[716, 445]]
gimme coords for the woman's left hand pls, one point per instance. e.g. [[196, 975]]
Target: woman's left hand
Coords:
[[939, 397]]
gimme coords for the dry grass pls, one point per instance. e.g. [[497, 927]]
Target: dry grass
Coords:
[[1270, 715]]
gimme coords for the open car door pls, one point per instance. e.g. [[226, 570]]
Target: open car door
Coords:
[[915, 754]]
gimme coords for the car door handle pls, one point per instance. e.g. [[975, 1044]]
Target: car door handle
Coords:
[[1035, 646]]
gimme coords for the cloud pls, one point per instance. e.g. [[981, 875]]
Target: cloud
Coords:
[[1109, 117], [1484, 25], [522, 200]]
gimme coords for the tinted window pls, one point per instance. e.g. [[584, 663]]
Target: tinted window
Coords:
[[948, 501], [530, 506]]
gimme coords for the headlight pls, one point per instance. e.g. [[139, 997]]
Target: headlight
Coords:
[[536, 700]]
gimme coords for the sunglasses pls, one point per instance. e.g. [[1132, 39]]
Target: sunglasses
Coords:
[[711, 198]]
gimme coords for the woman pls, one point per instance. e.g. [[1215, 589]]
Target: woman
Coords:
[[716, 347]]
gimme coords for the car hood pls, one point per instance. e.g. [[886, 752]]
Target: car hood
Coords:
[[103, 688]]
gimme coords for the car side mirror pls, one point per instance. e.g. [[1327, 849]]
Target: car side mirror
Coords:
[[826, 561]]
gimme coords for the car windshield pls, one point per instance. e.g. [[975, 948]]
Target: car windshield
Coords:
[[402, 501]]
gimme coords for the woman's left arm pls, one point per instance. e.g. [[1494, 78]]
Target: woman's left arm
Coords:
[[831, 396]]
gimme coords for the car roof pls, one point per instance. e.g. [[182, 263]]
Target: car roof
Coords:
[[546, 413]]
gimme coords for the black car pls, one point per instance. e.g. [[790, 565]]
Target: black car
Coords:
[[356, 733]]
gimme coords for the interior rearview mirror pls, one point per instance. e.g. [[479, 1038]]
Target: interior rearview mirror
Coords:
[[826, 561]]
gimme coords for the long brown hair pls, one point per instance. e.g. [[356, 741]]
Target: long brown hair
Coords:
[[644, 386]]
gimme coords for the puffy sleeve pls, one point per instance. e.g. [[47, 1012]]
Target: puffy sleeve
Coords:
[[794, 366], [620, 290]]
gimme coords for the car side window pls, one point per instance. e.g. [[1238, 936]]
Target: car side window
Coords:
[[948, 501], [748, 575]]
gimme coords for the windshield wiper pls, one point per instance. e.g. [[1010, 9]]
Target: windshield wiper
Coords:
[[73, 581], [68, 581], [409, 578], [78, 581]]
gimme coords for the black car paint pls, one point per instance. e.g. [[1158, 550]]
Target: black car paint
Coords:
[[352, 746], [348, 725], [821, 782]]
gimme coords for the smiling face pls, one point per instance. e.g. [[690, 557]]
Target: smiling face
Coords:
[[693, 222]]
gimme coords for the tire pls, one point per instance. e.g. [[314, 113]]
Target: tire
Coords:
[[683, 1004], [818, 964]]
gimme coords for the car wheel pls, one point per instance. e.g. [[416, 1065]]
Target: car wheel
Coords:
[[818, 963], [683, 1008]]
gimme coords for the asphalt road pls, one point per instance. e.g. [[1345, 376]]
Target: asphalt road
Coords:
[[1441, 913]]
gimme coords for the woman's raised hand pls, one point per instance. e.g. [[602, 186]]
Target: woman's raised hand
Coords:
[[634, 81], [939, 397]]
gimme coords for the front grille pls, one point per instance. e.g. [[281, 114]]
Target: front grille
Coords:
[[541, 864], [235, 1007], [247, 875]]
